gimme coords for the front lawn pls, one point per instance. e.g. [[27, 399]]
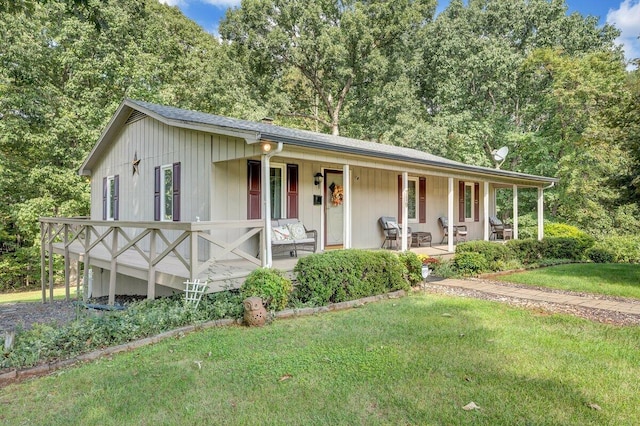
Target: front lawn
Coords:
[[417, 360], [611, 279]]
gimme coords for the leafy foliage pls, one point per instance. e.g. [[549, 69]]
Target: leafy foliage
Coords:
[[270, 285], [341, 275], [150, 317]]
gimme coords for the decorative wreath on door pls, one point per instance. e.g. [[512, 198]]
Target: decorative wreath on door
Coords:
[[337, 194]]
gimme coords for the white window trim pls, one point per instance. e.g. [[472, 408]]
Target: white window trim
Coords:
[[110, 196], [417, 199], [163, 192], [283, 187], [469, 186]]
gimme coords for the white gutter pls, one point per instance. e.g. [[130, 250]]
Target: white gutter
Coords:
[[267, 260]]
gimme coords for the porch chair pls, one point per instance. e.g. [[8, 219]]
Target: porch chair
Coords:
[[392, 231], [459, 231], [498, 228]]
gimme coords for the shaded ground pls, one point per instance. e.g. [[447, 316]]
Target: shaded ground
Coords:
[[22, 315]]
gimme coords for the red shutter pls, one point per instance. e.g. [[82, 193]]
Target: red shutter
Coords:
[[422, 199], [253, 189], [105, 191], [156, 193], [399, 198], [292, 190], [116, 197], [461, 215], [176, 192], [476, 202]]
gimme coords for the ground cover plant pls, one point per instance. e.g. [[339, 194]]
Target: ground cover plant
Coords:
[[611, 279], [416, 360]]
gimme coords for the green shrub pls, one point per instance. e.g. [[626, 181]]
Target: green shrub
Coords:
[[527, 251], [340, 275], [563, 248], [491, 251], [149, 317], [444, 269], [269, 284], [413, 267], [625, 249], [601, 255], [470, 263], [584, 240]]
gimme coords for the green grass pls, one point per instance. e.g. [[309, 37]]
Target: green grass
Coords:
[[616, 279], [34, 295], [416, 360]]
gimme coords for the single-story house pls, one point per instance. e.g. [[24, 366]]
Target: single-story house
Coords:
[[179, 194]]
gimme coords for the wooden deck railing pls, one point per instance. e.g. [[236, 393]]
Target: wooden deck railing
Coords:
[[194, 244]]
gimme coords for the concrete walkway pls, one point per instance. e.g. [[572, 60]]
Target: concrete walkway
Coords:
[[631, 308]]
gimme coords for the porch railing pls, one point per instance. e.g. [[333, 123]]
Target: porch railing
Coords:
[[196, 245]]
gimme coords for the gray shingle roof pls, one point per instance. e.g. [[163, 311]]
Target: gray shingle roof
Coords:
[[323, 141]]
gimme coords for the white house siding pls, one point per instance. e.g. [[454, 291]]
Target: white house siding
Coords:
[[155, 144]]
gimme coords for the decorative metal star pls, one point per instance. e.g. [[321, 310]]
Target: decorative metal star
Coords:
[[135, 163]]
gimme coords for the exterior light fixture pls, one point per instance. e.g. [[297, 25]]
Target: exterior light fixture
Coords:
[[266, 147], [317, 178]]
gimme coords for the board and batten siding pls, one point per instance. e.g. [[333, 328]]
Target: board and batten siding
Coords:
[[155, 144]]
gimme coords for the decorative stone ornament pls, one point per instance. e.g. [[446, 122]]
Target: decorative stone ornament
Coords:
[[254, 312]]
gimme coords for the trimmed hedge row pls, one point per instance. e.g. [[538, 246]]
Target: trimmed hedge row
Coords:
[[341, 275], [476, 257]]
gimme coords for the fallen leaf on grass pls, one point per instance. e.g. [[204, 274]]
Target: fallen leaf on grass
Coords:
[[471, 406], [285, 377], [447, 315], [199, 364], [594, 406]]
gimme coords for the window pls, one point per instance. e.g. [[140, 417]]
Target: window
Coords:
[[110, 197], [413, 205], [167, 193], [283, 184], [468, 201], [417, 199], [276, 178]]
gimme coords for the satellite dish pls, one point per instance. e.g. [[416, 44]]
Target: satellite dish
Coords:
[[499, 155]]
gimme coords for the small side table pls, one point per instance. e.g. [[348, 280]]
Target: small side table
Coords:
[[507, 234], [417, 238]]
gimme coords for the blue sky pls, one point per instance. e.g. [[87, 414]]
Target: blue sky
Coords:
[[624, 14]]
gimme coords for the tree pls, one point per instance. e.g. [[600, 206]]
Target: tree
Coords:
[[322, 49]]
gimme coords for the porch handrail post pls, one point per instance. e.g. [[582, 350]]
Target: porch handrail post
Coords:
[[87, 261], [450, 216], [405, 211], [515, 212], [50, 248], [67, 262], [540, 213], [485, 198], [43, 232], [346, 181], [151, 280], [114, 266], [193, 263]]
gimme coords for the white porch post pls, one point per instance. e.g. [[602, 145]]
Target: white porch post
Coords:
[[346, 182], [267, 262], [540, 213], [450, 217], [515, 212], [486, 210], [405, 210]]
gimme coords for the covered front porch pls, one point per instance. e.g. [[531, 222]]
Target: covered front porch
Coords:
[[156, 258]]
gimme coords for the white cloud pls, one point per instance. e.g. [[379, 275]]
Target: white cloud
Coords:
[[627, 19], [223, 4], [173, 2]]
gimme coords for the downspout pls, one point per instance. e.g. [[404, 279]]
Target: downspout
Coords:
[[266, 200]]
